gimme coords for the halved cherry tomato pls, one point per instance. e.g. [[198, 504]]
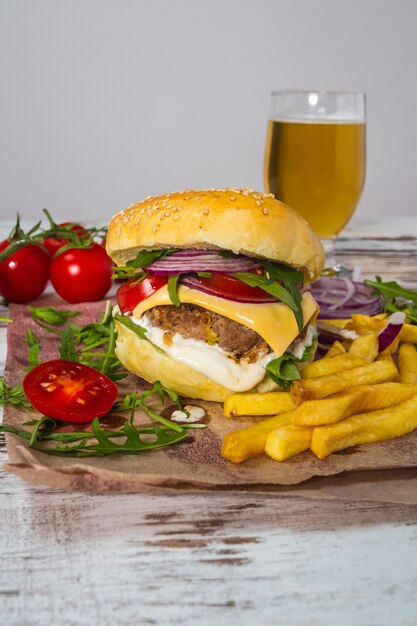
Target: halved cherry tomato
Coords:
[[53, 244], [23, 274], [226, 286], [68, 391], [134, 291]]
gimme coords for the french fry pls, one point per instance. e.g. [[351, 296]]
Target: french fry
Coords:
[[336, 348], [246, 443], [341, 323], [364, 324], [325, 366], [270, 403], [365, 428], [287, 441], [350, 402], [408, 333], [365, 346], [316, 388], [407, 363]]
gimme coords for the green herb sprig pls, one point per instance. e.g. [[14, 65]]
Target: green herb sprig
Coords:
[[396, 298], [13, 395], [134, 267], [34, 346], [288, 292], [101, 441], [283, 370], [18, 238], [92, 344]]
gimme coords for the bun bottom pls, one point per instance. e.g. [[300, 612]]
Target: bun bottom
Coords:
[[140, 357]]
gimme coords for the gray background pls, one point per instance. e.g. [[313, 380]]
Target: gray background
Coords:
[[104, 102]]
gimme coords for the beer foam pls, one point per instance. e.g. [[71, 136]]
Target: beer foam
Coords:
[[345, 118]]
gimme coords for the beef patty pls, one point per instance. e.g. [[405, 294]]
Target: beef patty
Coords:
[[194, 322]]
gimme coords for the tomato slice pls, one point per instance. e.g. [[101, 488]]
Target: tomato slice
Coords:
[[69, 392], [136, 290], [226, 286]]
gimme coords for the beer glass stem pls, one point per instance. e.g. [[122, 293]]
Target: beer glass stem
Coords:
[[329, 249]]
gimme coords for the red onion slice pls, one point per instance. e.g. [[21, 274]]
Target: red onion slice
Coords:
[[390, 332], [340, 297], [201, 261]]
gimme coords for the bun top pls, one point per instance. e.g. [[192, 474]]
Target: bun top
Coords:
[[241, 220]]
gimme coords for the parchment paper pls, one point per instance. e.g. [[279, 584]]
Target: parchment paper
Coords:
[[196, 464]]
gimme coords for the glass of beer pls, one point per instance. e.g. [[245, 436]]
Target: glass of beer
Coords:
[[315, 157]]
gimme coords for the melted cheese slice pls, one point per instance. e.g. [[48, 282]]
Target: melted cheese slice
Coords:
[[274, 322]]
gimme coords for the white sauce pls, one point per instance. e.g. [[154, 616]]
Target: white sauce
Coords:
[[211, 361], [298, 347]]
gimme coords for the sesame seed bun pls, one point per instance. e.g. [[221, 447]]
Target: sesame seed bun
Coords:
[[241, 220]]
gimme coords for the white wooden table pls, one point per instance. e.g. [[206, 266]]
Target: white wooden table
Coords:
[[211, 559]]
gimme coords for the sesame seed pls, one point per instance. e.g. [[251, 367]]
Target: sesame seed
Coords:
[[259, 202], [176, 217], [232, 198], [206, 211], [265, 211], [167, 213], [155, 228]]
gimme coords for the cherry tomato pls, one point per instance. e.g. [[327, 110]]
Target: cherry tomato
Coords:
[[76, 228], [226, 286], [82, 274], [134, 291], [53, 244], [69, 391], [23, 274]]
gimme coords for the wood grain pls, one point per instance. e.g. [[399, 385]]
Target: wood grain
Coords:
[[212, 558]]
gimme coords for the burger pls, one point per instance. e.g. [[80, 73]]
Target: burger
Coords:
[[213, 300]]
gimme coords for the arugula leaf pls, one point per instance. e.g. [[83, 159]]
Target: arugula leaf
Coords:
[[95, 341], [276, 290], [289, 292], [146, 257], [396, 298], [309, 351], [142, 259], [283, 370], [135, 439], [126, 321], [293, 280], [172, 289], [50, 315], [34, 346], [391, 289], [67, 346], [133, 401], [13, 395], [102, 441]]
